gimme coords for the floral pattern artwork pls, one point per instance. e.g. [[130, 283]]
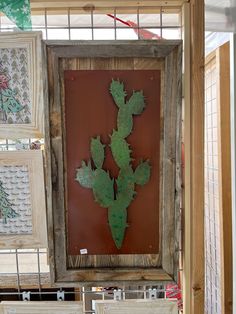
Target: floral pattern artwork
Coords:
[[15, 98], [18, 11]]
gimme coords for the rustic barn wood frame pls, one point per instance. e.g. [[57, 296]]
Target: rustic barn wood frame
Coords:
[[33, 160], [167, 56], [32, 42]]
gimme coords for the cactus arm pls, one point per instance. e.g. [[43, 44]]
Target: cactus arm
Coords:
[[97, 152], [117, 217]]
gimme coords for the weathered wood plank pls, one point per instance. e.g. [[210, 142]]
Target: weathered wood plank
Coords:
[[26, 281], [223, 87], [106, 49], [172, 161]]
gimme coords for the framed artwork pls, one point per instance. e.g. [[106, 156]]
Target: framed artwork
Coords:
[[21, 85], [42, 307], [159, 306], [113, 153], [22, 200]]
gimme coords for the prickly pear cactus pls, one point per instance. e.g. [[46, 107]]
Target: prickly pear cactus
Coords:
[[100, 181]]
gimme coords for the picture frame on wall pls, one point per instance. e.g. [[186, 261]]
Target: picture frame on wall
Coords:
[[21, 85], [22, 200], [113, 144]]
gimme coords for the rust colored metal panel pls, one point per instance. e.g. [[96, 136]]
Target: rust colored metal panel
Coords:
[[91, 111]]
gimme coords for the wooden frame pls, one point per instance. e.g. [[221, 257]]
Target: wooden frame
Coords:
[[159, 306], [33, 161], [44, 307], [220, 59], [31, 77], [193, 205], [168, 56], [223, 64]]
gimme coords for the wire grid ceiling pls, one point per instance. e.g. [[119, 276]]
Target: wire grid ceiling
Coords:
[[70, 25]]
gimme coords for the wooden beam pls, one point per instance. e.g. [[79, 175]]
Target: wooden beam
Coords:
[[193, 255], [87, 5], [223, 87], [197, 157], [187, 164]]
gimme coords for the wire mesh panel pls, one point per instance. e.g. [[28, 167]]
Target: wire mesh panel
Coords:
[[212, 215], [28, 269]]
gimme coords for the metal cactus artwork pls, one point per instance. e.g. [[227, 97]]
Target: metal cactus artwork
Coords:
[[116, 196], [6, 210]]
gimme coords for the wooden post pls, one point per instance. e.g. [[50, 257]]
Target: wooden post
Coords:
[[194, 162], [223, 87], [197, 155]]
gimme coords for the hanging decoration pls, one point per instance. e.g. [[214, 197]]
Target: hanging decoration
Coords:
[[18, 11], [118, 199], [6, 210]]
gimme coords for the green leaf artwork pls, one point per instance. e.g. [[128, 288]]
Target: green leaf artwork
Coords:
[[6, 210], [116, 200]]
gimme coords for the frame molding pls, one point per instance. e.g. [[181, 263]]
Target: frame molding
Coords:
[[32, 42], [44, 307], [34, 161], [170, 53]]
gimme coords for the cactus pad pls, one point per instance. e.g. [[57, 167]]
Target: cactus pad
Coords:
[[120, 150], [99, 180], [136, 103], [103, 188], [85, 175], [118, 92], [97, 152], [142, 173], [124, 122]]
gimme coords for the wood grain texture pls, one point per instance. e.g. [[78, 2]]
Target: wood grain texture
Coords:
[[26, 281], [33, 160], [42, 307], [187, 216], [87, 6], [161, 306], [32, 42], [196, 157], [70, 270], [223, 102]]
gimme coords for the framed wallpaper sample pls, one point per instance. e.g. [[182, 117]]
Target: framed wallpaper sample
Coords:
[[21, 85], [113, 153], [138, 306], [42, 307], [22, 200]]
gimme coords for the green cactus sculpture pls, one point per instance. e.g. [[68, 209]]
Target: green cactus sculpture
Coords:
[[116, 200]]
